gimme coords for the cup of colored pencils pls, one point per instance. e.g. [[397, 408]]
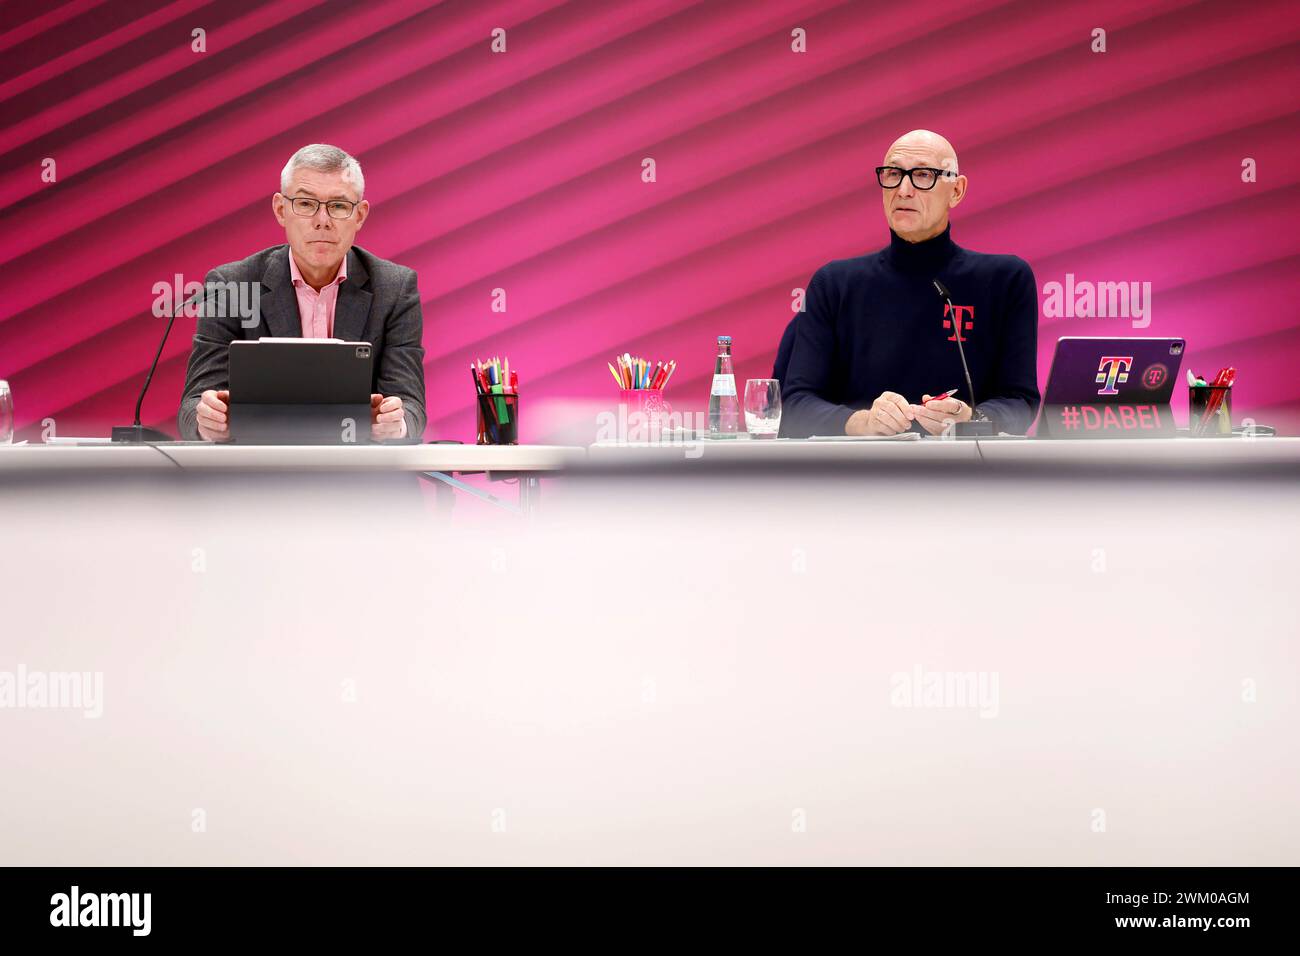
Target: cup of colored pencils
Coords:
[[496, 391], [641, 383], [640, 374]]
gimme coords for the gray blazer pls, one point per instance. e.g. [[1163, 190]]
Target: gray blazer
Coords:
[[379, 303]]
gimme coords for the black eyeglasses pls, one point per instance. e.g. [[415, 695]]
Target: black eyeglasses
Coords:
[[334, 208], [923, 177]]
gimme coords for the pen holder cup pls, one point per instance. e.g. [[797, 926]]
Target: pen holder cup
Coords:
[[649, 405], [1209, 410], [498, 419]]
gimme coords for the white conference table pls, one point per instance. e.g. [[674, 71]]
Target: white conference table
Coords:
[[440, 463], [538, 460], [1176, 454], [739, 663], [436, 462], [744, 452], [204, 456]]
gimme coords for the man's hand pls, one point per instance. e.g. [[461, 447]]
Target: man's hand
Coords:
[[934, 415], [888, 415], [387, 419], [212, 415]]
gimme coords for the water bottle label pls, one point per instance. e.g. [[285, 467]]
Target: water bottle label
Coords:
[[724, 385]]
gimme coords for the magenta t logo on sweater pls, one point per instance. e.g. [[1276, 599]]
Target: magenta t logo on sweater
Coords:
[[965, 319]]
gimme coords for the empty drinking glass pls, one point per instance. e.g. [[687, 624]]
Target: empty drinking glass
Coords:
[[763, 407]]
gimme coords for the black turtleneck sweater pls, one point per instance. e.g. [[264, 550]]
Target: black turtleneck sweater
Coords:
[[875, 324]]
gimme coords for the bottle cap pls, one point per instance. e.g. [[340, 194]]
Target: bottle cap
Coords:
[[724, 339]]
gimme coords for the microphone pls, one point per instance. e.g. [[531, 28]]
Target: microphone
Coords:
[[971, 427], [136, 434]]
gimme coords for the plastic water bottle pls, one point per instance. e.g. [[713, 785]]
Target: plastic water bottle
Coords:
[[724, 406]]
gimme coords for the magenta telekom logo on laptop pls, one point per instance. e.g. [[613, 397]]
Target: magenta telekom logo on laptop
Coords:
[[1112, 371]]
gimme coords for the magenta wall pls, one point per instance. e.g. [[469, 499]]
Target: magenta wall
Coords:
[[523, 171]]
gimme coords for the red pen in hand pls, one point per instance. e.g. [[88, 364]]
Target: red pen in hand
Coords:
[[939, 398]]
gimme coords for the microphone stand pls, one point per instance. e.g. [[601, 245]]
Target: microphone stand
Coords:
[[135, 433], [972, 428]]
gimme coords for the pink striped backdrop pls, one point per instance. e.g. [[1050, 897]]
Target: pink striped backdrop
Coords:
[[522, 171]]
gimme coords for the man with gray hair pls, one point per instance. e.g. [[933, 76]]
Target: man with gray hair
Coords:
[[317, 285]]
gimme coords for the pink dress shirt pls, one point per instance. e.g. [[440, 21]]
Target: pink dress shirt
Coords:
[[316, 309]]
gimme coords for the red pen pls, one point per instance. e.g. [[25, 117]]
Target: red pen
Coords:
[[939, 398]]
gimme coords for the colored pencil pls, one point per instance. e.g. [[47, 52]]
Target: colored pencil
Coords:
[[636, 373]]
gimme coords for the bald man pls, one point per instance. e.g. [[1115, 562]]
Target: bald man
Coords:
[[875, 343]]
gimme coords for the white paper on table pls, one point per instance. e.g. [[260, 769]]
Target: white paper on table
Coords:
[[901, 436]]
